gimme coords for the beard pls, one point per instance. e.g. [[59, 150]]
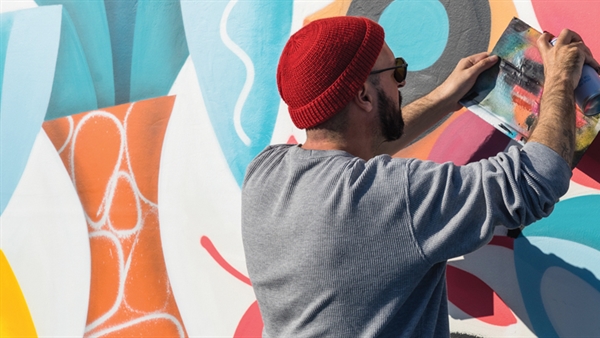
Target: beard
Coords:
[[391, 123]]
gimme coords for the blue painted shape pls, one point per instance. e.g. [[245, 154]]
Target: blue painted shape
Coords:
[[533, 256], [259, 29], [31, 57], [575, 219], [159, 48], [90, 21], [543, 244], [73, 89], [121, 16], [6, 21], [417, 30]]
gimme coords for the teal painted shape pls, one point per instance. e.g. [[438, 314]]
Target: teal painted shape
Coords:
[[73, 89], [29, 68], [159, 48], [533, 257], [121, 16], [576, 254], [417, 30], [6, 21], [241, 56], [89, 19], [575, 219]]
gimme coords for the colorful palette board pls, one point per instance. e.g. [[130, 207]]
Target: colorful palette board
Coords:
[[508, 95]]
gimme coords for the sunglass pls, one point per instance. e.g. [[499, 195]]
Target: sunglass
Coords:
[[399, 70]]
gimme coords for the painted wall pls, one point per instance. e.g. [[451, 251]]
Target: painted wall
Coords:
[[126, 127]]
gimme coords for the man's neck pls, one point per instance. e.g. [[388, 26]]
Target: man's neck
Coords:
[[356, 146]]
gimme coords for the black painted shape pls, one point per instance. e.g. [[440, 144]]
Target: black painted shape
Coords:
[[470, 26]]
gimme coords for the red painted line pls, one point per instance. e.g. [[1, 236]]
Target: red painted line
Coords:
[[505, 241], [212, 251], [292, 140], [251, 324], [477, 299]]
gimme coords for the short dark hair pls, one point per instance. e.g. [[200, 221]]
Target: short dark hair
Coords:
[[374, 80], [338, 123]]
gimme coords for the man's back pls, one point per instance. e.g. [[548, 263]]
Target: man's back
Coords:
[[337, 246]]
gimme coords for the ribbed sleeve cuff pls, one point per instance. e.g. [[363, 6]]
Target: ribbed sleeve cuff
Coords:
[[549, 165]]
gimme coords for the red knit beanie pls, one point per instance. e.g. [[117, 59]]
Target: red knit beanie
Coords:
[[324, 64]]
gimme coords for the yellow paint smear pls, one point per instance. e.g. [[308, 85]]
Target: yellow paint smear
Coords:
[[15, 319]]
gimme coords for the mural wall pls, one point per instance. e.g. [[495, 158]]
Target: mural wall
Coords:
[[126, 128]]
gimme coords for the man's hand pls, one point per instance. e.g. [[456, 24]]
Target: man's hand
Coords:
[[563, 62], [462, 79]]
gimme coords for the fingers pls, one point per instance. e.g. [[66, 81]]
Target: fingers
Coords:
[[543, 42], [470, 61], [481, 62], [589, 59], [478, 57], [567, 36]]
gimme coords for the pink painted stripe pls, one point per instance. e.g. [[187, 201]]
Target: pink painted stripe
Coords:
[[212, 251], [477, 299]]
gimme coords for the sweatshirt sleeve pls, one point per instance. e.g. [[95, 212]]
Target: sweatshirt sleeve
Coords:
[[455, 208]]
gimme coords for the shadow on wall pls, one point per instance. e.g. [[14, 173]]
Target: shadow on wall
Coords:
[[462, 335], [544, 281], [561, 299]]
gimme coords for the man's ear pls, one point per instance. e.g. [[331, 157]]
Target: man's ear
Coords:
[[364, 97]]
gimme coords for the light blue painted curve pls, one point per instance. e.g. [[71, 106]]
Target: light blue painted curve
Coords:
[[6, 21], [73, 88], [159, 48], [417, 30], [259, 30], [91, 25], [29, 66]]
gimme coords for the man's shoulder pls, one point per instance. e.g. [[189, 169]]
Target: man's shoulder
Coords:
[[271, 151], [268, 157]]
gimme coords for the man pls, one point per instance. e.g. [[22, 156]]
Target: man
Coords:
[[342, 242]]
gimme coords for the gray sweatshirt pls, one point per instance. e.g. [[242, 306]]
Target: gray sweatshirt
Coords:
[[339, 247]]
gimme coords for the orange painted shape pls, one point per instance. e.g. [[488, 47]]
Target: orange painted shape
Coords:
[[147, 286], [336, 8], [120, 215], [59, 133], [104, 280], [97, 142], [116, 156], [147, 327], [501, 14], [144, 139], [522, 110], [422, 148], [15, 319]]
